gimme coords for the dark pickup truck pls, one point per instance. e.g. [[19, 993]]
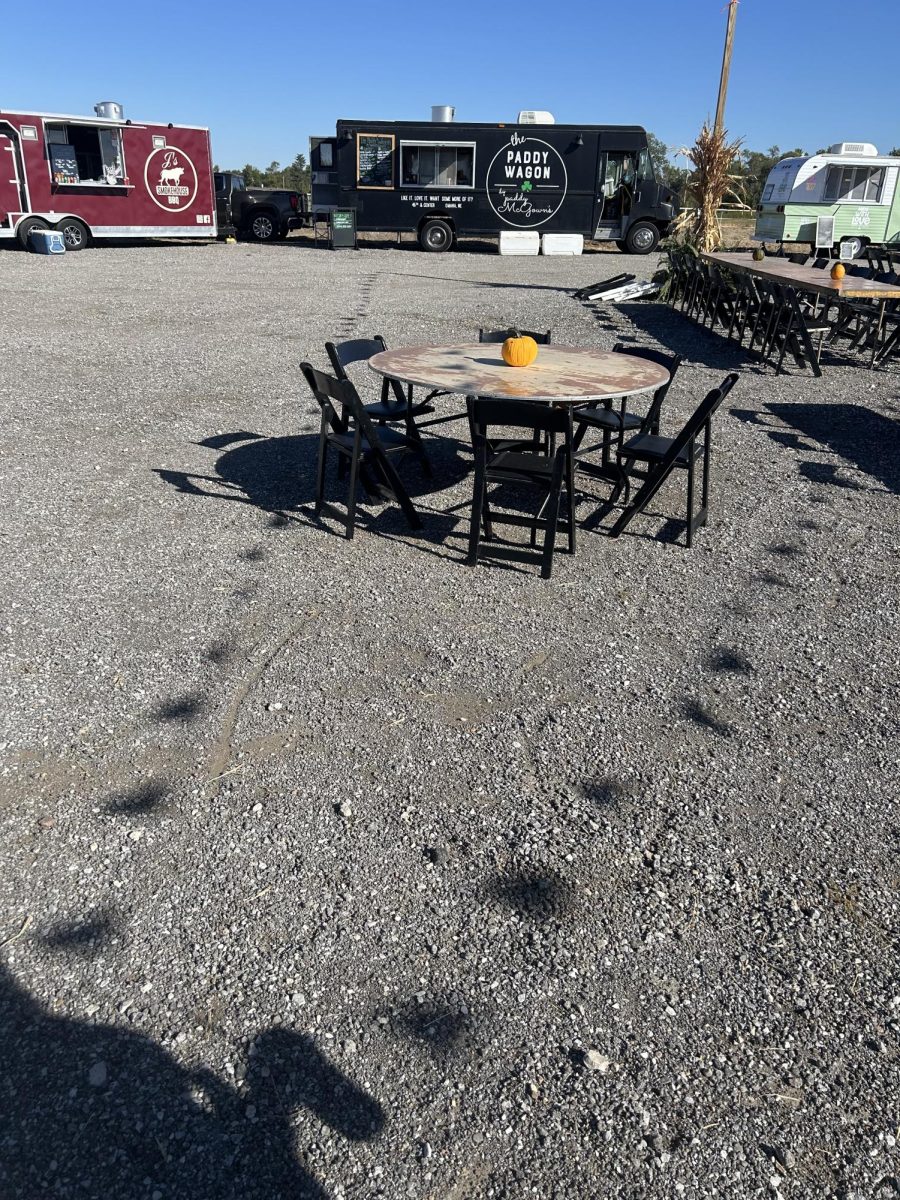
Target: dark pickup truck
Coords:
[[263, 214]]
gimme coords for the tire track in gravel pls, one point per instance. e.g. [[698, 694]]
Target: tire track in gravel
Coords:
[[222, 747], [348, 326]]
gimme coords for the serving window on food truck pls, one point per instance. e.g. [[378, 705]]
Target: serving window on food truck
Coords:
[[375, 160], [85, 154], [437, 164]]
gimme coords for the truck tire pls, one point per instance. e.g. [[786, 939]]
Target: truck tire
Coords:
[[75, 233], [26, 227], [641, 238], [263, 227], [855, 246], [436, 236]]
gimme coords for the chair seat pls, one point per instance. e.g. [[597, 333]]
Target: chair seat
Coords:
[[607, 418], [395, 412], [519, 466], [649, 447], [391, 439]]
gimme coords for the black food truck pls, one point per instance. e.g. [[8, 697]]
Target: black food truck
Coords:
[[442, 180]]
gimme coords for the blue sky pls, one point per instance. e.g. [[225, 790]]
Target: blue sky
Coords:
[[264, 77]]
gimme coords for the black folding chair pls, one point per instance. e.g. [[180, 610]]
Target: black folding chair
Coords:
[[349, 430], [664, 455], [609, 421], [394, 405], [545, 470]]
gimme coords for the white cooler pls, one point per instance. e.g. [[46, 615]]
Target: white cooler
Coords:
[[519, 241], [562, 243]]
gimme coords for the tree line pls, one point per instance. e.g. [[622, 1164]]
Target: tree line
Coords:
[[750, 170], [295, 177]]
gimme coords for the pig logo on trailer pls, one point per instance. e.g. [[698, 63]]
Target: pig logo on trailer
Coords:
[[171, 179], [526, 182]]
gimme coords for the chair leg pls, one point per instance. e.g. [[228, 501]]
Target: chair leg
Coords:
[[419, 449], [570, 499], [690, 497], [552, 522], [477, 509], [320, 469], [353, 487]]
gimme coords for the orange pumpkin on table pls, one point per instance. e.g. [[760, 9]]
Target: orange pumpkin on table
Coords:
[[519, 351], [838, 271]]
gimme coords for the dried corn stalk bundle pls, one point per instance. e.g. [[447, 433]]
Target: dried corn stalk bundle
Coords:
[[711, 183]]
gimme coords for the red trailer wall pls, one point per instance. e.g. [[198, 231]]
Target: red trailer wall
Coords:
[[167, 190]]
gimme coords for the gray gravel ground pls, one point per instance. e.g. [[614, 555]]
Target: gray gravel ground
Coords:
[[338, 869]]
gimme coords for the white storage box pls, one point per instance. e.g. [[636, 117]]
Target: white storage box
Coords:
[[562, 243], [520, 241]]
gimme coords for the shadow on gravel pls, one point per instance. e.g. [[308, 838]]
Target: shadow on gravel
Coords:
[[182, 708], [700, 715], [94, 1110], [440, 1022], [676, 333], [139, 801], [535, 895], [278, 474], [606, 793], [84, 935], [729, 662], [867, 439]]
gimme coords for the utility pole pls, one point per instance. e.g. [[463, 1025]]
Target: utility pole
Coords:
[[726, 65]]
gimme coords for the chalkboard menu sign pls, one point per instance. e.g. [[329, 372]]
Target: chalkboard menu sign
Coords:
[[63, 163], [343, 229], [375, 160]]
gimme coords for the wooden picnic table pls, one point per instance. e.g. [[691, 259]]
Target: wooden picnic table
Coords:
[[807, 279]]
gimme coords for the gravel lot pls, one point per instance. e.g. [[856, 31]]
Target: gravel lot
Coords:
[[338, 869]]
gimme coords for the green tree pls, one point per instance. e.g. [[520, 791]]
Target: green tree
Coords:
[[297, 175], [666, 172], [252, 176], [895, 151]]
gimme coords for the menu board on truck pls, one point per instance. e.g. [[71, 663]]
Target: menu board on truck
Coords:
[[375, 160], [63, 163]]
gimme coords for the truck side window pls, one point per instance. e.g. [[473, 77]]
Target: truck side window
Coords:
[[645, 166]]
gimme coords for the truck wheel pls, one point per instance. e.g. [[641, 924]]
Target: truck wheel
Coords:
[[74, 233], [855, 246], [263, 228], [436, 236], [26, 227], [641, 238]]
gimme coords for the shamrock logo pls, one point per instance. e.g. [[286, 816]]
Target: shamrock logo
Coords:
[[527, 185]]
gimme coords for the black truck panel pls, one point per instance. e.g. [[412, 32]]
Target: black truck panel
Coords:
[[482, 178]]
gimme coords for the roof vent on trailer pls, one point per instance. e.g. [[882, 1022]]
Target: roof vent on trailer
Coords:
[[535, 116], [860, 149], [110, 110], [443, 114]]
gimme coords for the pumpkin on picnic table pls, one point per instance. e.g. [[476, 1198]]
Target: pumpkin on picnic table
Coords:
[[838, 271], [759, 254], [519, 351]]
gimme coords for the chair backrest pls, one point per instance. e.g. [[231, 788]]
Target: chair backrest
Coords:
[[799, 259], [700, 417], [343, 354], [340, 402], [520, 414], [500, 335], [671, 362]]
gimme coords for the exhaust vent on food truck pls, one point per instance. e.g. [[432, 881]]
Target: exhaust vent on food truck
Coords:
[[442, 114], [535, 116], [110, 110], [860, 149]]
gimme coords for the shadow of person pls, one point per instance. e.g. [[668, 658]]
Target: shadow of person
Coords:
[[95, 1111]]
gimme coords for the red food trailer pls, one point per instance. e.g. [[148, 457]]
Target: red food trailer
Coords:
[[101, 177]]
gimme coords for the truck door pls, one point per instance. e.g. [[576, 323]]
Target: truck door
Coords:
[[615, 193], [11, 198]]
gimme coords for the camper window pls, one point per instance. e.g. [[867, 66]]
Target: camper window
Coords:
[[429, 164], [862, 184]]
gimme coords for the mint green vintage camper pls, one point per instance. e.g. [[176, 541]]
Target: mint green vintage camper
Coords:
[[848, 199]]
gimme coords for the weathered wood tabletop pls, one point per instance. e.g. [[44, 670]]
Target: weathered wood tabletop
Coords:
[[807, 279], [558, 374]]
